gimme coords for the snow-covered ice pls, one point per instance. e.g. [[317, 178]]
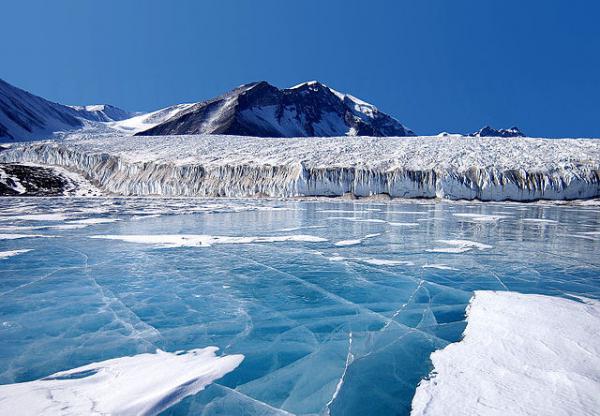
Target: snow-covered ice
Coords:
[[144, 384], [458, 246], [11, 253], [521, 355]]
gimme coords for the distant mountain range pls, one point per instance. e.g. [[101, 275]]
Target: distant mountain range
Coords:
[[24, 116], [256, 109], [488, 131]]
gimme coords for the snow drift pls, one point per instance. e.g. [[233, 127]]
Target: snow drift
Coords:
[[144, 384], [520, 169], [521, 355]]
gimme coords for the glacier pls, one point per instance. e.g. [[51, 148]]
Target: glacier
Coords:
[[102, 283], [452, 167]]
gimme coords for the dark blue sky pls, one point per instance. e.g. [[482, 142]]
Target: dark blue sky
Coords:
[[451, 65]]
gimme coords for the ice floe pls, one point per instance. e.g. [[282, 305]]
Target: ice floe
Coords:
[[355, 241], [458, 246], [403, 224], [144, 384], [386, 262], [521, 355], [439, 267], [11, 253]]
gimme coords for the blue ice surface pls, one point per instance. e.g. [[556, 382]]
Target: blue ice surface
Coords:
[[324, 328]]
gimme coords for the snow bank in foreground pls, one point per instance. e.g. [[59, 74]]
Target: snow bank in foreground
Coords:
[[520, 169], [521, 355], [143, 384]]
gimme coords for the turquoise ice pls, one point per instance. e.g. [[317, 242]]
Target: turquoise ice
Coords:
[[335, 305]]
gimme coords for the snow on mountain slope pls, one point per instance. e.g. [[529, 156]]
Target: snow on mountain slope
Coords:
[[102, 112], [520, 169], [148, 120], [309, 109], [24, 116]]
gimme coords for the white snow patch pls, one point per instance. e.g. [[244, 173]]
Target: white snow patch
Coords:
[[11, 182], [90, 221], [11, 253], [458, 246], [40, 217], [356, 241], [539, 221], [148, 120], [438, 266], [141, 384], [480, 217], [521, 355], [385, 262], [198, 240], [345, 243]]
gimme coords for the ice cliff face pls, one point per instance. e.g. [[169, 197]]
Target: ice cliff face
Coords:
[[422, 167]]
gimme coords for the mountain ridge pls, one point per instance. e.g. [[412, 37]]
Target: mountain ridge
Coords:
[[308, 109], [25, 116], [263, 110]]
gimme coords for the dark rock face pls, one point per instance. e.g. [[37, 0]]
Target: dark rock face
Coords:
[[37, 181], [260, 109], [488, 131]]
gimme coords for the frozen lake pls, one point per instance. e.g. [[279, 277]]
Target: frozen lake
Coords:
[[335, 305]]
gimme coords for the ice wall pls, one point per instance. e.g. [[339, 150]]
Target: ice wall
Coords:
[[115, 171]]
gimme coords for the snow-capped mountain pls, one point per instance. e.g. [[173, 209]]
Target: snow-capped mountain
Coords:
[[24, 116], [260, 109], [102, 112], [488, 131]]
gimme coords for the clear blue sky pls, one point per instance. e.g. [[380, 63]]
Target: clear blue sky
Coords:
[[451, 65]]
